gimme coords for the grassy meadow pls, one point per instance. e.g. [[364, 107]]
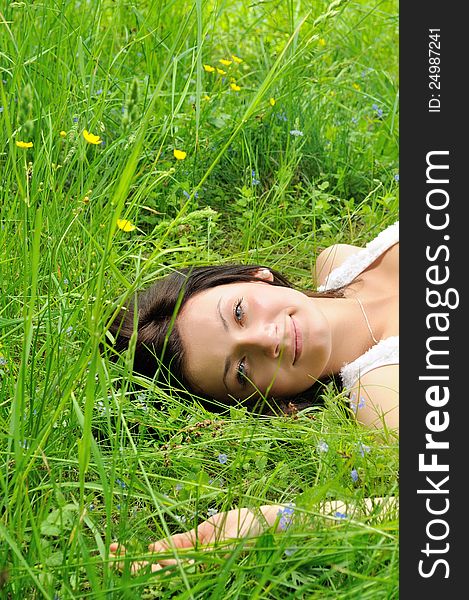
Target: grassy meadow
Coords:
[[138, 137]]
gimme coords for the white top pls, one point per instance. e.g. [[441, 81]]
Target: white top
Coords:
[[385, 352]]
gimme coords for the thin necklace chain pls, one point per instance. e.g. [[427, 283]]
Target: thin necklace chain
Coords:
[[366, 319]]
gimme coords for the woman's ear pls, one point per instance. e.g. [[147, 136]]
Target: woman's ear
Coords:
[[264, 274]]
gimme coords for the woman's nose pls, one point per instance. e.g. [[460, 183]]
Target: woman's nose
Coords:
[[263, 337]]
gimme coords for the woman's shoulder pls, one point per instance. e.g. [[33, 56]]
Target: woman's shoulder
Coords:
[[330, 258], [340, 264], [372, 381], [374, 398]]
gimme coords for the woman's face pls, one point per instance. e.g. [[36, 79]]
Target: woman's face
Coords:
[[241, 338]]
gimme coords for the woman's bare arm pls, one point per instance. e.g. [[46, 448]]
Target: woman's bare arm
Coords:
[[245, 523], [375, 398]]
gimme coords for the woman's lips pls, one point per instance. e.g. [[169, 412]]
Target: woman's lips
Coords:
[[297, 341]]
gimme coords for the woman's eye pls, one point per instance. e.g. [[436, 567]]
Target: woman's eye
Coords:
[[242, 373], [238, 310]]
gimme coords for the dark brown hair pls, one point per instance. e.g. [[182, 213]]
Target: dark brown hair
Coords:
[[151, 316]]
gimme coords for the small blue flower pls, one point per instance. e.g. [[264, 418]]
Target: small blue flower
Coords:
[[99, 92], [65, 282], [3, 361], [322, 446], [281, 116], [354, 404], [1, 109], [354, 120], [75, 119], [100, 407], [290, 551], [69, 330], [374, 106], [363, 449], [339, 515], [254, 180], [178, 487], [91, 507], [396, 177], [286, 516], [187, 195], [211, 512], [120, 483], [220, 482], [354, 474], [222, 458], [296, 132]]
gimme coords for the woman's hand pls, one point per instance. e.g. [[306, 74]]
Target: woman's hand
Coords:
[[179, 541], [234, 524], [117, 555]]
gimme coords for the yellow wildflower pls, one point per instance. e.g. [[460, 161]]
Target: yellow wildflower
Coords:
[[225, 62], [209, 69], [63, 134], [180, 154], [206, 98], [234, 87], [236, 59], [272, 101], [24, 144], [125, 225], [221, 71], [356, 86], [91, 138], [322, 42]]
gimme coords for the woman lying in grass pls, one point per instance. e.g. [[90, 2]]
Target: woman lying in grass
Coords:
[[243, 333]]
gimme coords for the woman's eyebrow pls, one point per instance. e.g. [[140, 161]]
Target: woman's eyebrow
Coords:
[[223, 320], [227, 360]]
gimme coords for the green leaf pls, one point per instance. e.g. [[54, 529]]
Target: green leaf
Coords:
[[59, 520]]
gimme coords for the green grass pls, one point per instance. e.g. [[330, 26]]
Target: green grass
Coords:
[[85, 461]]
